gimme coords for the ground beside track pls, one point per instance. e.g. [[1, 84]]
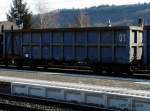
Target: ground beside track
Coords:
[[136, 84]]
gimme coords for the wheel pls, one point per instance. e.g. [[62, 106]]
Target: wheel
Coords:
[[18, 63], [129, 73], [95, 69], [6, 62]]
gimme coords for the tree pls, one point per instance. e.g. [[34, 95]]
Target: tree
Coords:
[[82, 20], [47, 20], [44, 18], [20, 14]]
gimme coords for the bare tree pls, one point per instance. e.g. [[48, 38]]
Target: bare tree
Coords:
[[82, 20], [44, 18]]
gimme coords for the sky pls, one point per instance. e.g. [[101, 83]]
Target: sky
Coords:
[[67, 4]]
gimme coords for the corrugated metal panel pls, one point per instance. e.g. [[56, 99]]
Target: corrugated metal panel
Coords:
[[69, 38], [107, 37], [121, 55], [18, 44], [107, 54], [36, 38], [80, 53], [57, 37], [93, 38], [93, 53], [148, 45], [80, 38], [26, 51], [8, 43], [46, 53], [46, 38], [145, 53], [26, 38], [57, 52], [36, 54], [147, 37], [121, 38], [68, 53]]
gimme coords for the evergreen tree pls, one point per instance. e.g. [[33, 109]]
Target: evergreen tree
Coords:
[[20, 14]]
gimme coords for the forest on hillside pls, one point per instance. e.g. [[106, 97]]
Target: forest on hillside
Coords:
[[95, 16]]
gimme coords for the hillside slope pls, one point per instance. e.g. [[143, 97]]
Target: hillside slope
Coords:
[[99, 16]]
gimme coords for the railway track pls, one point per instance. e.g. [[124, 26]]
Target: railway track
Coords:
[[6, 107], [18, 103], [88, 73]]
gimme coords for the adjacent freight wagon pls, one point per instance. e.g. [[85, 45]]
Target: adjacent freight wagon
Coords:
[[1, 46], [6, 25], [104, 48], [1, 42], [147, 46]]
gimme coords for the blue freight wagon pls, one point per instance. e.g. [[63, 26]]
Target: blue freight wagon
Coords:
[[103, 48], [1, 41], [146, 38], [1, 46]]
